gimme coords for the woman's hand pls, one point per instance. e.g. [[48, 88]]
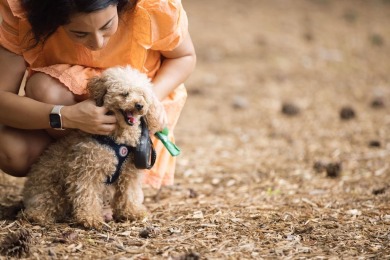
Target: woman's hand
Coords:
[[161, 114], [88, 117], [177, 65]]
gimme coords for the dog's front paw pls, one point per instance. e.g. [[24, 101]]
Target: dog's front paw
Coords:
[[131, 213], [92, 223], [89, 221], [37, 217]]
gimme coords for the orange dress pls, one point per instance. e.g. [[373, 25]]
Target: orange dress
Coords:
[[150, 27]]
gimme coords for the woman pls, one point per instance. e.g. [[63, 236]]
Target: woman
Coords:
[[63, 43]]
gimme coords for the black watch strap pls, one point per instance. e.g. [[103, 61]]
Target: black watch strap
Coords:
[[55, 118]]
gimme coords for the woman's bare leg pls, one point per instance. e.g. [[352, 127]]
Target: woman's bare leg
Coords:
[[19, 148], [49, 90]]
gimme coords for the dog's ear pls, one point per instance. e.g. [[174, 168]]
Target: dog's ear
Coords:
[[97, 88]]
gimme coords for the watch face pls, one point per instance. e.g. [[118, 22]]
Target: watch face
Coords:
[[55, 121]]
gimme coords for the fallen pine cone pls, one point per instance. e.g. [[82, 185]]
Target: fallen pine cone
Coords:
[[333, 170], [189, 256], [290, 109], [16, 244], [347, 113]]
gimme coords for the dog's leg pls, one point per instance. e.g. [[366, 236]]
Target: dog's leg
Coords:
[[129, 197], [44, 202], [86, 197], [85, 183], [107, 202], [36, 212], [87, 204]]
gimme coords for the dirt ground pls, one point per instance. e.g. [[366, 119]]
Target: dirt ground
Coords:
[[285, 144]]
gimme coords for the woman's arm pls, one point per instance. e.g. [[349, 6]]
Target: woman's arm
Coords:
[[175, 68], [17, 111], [26, 113]]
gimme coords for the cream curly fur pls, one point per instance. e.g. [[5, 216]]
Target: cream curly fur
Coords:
[[69, 178]]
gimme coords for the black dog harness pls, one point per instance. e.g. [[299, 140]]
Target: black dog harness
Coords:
[[122, 153]]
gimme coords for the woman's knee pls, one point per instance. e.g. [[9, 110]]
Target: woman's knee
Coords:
[[15, 160], [18, 152], [45, 88]]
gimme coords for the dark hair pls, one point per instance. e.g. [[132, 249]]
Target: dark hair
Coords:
[[45, 16]]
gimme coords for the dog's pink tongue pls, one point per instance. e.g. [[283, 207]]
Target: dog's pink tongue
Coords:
[[130, 117]]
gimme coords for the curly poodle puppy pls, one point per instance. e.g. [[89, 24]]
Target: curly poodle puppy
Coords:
[[72, 175]]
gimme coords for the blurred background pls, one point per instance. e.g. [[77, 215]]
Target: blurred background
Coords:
[[285, 136], [273, 78]]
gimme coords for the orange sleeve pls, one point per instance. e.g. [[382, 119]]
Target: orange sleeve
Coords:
[[160, 25], [9, 29]]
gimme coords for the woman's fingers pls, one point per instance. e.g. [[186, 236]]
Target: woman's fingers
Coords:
[[89, 118], [106, 129]]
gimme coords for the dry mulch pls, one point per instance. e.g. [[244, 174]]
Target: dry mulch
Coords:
[[285, 140]]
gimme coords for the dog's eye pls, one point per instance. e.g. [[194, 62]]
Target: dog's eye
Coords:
[[125, 94]]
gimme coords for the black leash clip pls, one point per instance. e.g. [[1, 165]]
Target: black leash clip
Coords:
[[144, 154]]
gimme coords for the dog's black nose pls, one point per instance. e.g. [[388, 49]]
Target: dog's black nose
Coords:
[[138, 106]]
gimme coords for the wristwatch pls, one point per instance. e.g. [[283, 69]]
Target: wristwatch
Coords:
[[55, 118]]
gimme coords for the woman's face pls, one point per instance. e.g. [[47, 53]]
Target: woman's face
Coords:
[[93, 30]]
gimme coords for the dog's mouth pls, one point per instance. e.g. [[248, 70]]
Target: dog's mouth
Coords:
[[129, 117]]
